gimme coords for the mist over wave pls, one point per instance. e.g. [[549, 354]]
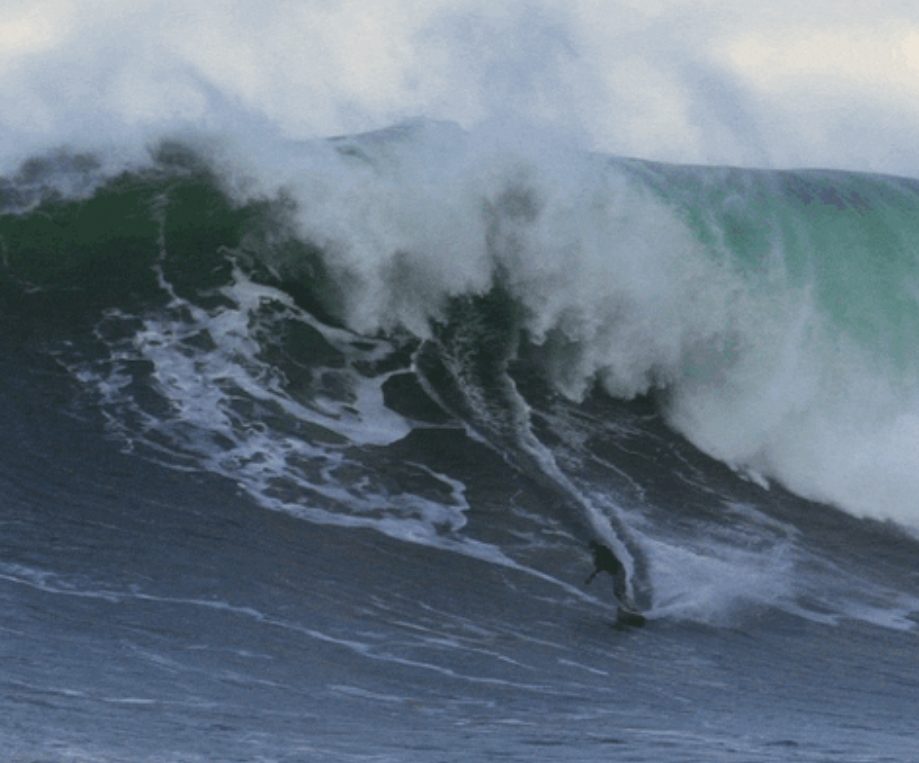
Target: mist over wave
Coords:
[[829, 84]]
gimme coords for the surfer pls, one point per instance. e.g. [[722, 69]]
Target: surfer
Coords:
[[606, 561]]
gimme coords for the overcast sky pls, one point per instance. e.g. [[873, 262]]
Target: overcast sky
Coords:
[[780, 83]]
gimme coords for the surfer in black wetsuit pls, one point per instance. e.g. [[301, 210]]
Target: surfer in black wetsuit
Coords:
[[606, 561]]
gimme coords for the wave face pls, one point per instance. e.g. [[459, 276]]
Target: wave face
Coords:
[[257, 318], [479, 353]]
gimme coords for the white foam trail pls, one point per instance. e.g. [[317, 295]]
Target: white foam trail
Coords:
[[204, 362]]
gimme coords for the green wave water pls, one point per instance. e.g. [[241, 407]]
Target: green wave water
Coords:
[[850, 240]]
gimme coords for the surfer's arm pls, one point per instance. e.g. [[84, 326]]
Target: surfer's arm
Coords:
[[591, 576]]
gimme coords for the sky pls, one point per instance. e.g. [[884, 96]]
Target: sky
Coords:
[[827, 83]]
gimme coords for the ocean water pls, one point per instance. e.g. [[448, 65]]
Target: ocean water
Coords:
[[303, 446]]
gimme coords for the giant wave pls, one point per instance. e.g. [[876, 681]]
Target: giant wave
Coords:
[[249, 310], [769, 313]]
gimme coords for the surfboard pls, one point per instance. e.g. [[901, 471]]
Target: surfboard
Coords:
[[627, 619]]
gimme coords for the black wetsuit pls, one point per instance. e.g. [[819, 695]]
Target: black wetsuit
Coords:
[[606, 561]]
